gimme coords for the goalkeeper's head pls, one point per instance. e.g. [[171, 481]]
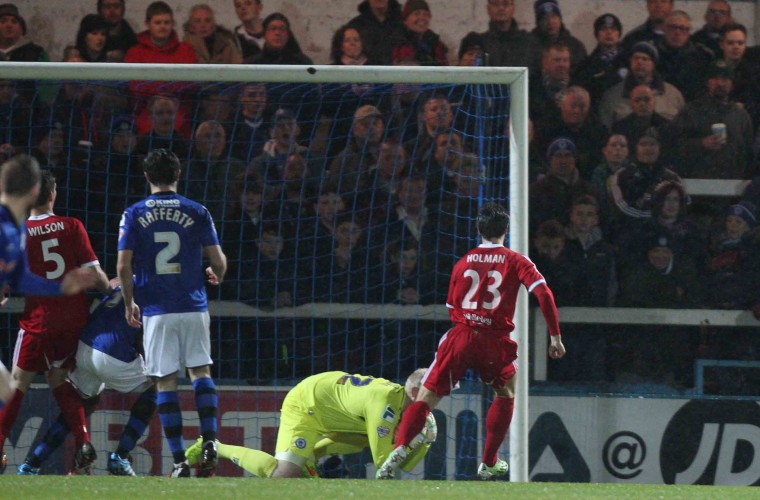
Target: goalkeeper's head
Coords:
[[493, 221], [413, 383]]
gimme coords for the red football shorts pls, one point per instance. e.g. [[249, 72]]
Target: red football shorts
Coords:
[[39, 352], [462, 348]]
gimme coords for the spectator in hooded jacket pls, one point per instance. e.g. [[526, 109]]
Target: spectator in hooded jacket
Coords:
[[381, 25]]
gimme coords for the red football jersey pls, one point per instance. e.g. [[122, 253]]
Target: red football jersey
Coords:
[[54, 246], [484, 286]]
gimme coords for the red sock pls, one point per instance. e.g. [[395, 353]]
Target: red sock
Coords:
[[412, 422], [497, 424], [72, 410], [8, 415]]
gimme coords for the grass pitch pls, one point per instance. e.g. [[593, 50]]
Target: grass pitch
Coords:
[[148, 488]]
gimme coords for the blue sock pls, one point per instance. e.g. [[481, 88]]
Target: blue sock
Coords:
[[171, 421], [206, 402], [54, 437], [139, 417]]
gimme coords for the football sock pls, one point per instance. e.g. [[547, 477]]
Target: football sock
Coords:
[[72, 411], [56, 435], [497, 423], [171, 420], [139, 418], [206, 402], [256, 462], [9, 414], [412, 422]]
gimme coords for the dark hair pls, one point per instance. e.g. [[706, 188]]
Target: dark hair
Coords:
[[493, 221], [291, 46], [162, 167], [336, 46], [100, 4], [19, 175], [732, 26], [552, 229], [158, 8], [662, 190], [585, 199], [47, 185], [91, 23]]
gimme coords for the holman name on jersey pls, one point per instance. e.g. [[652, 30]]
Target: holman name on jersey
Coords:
[[167, 214], [47, 228], [487, 258]]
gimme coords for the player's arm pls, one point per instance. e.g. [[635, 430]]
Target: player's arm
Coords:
[[102, 284], [215, 272], [549, 309], [27, 283], [124, 271]]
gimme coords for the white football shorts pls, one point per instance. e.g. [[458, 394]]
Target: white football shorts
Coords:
[[176, 341], [96, 371]]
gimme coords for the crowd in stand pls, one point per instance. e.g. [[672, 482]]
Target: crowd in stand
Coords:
[[365, 193]]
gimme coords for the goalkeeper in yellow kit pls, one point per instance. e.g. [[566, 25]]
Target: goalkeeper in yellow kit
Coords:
[[333, 413]]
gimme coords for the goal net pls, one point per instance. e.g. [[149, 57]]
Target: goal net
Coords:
[[342, 198]]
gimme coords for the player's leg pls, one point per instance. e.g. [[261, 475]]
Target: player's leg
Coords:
[[162, 363], [22, 379], [297, 436], [52, 440], [501, 372], [139, 418], [196, 349], [28, 359], [256, 462]]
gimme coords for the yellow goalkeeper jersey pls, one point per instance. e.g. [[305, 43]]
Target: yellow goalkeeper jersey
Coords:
[[345, 403]]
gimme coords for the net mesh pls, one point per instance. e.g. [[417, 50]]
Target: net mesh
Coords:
[[341, 207]]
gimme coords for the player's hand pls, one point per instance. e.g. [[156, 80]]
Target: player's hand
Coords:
[[78, 280], [132, 313], [557, 348], [211, 276]]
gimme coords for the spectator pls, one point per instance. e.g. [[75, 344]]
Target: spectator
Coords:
[[631, 187], [717, 15], [404, 283], [250, 125], [121, 37], [643, 116], [92, 37], [615, 153], [381, 26], [700, 151], [575, 122], [652, 29], [437, 117], [553, 78], [601, 69], [15, 117], [159, 43], [213, 44], [351, 166], [215, 102], [269, 165], [347, 48], [280, 44], [14, 46], [250, 32], [733, 45], [419, 42], [460, 203], [209, 173], [734, 265], [549, 243], [163, 134], [551, 195], [343, 266], [550, 30], [505, 43], [682, 61], [472, 50], [668, 99]]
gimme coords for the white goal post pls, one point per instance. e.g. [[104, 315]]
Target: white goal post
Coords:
[[516, 78]]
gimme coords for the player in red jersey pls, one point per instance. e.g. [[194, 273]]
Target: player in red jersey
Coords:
[[50, 327], [481, 302]]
